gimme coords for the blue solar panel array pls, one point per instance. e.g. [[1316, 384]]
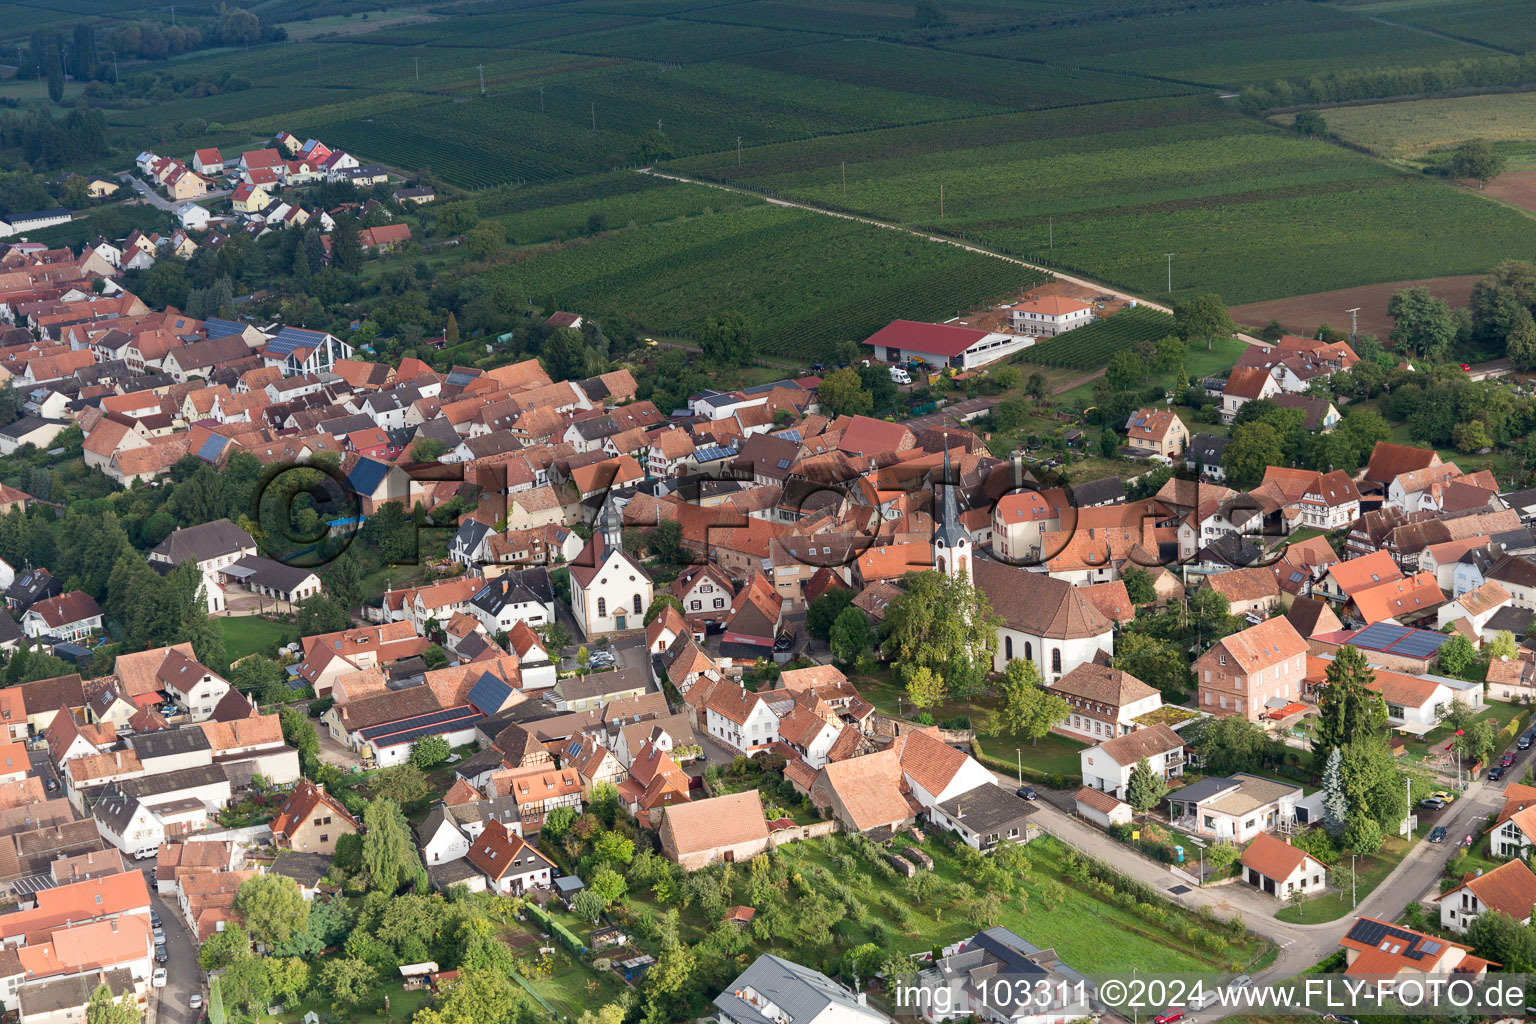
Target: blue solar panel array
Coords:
[[217, 328], [210, 449], [1410, 643], [459, 378], [711, 452], [423, 725], [489, 694], [290, 338]]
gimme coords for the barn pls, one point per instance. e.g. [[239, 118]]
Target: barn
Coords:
[[963, 348]]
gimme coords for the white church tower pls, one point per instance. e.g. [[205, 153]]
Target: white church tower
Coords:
[[951, 541]]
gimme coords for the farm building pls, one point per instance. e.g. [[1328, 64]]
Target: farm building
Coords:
[[962, 348]]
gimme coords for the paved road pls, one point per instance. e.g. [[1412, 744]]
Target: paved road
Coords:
[[159, 202], [1300, 945], [968, 247], [183, 975]]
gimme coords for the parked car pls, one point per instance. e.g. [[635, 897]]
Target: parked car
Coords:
[[161, 955], [1444, 794], [1432, 803], [1495, 773], [1437, 834], [1507, 760], [51, 785], [1242, 981], [1026, 793], [154, 919], [1168, 1016], [196, 1002], [1524, 742], [158, 978]]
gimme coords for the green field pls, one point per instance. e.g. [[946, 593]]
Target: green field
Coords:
[[802, 279], [1090, 347], [1411, 129]]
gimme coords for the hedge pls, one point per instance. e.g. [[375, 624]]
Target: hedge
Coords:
[[555, 928]]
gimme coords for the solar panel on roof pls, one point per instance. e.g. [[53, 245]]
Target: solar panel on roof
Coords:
[[489, 694], [1380, 635], [419, 723], [210, 449], [1431, 946]]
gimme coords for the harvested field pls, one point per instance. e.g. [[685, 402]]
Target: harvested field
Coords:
[[1517, 188], [1302, 314]]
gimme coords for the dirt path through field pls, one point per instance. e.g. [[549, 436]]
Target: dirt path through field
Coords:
[[811, 208]]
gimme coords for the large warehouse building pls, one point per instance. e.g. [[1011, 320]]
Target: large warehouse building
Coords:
[[962, 348]]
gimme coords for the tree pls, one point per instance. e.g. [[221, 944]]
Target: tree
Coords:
[[653, 146], [609, 885], [822, 613], [726, 339], [349, 980], [928, 14], [224, 948], [588, 905], [287, 977], [558, 821], [1477, 160], [1230, 744], [841, 393], [1477, 741], [1346, 709], [1520, 343], [659, 602], [1025, 707], [428, 449], [1037, 387], [1335, 802], [925, 688], [851, 639], [486, 239], [105, 1008], [1496, 936], [1156, 662], [1501, 647], [1457, 657], [273, 908], [429, 752], [402, 785], [1138, 585], [1423, 325], [1310, 122], [1145, 788], [1254, 448], [389, 854], [1362, 835], [246, 984], [615, 847], [946, 624], [1204, 318], [346, 247], [1109, 443]]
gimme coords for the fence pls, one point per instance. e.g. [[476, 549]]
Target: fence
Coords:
[[814, 830]]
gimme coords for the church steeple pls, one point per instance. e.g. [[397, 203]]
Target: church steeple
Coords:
[[611, 526], [951, 540]]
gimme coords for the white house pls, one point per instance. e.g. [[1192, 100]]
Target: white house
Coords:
[[738, 719], [1107, 766], [1105, 701], [1276, 867], [441, 839], [1509, 889], [1050, 315], [193, 217], [936, 772], [1232, 809], [784, 992]]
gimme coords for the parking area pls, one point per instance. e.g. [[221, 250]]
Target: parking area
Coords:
[[184, 978]]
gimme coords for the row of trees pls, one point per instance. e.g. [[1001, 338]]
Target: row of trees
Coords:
[[1382, 83]]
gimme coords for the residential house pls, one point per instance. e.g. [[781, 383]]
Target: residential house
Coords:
[[1244, 673], [70, 616], [1107, 766], [777, 991], [1105, 701], [1509, 889], [310, 820], [984, 816], [1233, 809], [1275, 867], [1157, 432], [1375, 948], [511, 865], [722, 829], [961, 983]]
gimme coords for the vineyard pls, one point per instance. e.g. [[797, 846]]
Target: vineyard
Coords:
[[1093, 346], [801, 279]]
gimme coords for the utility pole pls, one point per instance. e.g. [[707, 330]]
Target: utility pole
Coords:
[[594, 115], [738, 151], [418, 67], [482, 79], [1050, 223], [1169, 255], [845, 177], [658, 124], [115, 79], [1352, 901], [1354, 323], [541, 99], [941, 201], [173, 14]]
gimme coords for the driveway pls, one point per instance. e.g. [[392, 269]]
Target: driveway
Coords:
[[183, 975]]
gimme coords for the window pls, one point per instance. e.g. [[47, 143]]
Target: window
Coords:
[[695, 605], [719, 602], [638, 609], [602, 607], [325, 839], [1008, 647], [1056, 659], [1029, 651]]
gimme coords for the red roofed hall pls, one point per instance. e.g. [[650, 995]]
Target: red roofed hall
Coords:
[[942, 344]]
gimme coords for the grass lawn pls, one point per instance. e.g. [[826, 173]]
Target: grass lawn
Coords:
[[247, 634], [1369, 873], [402, 1004], [1053, 754], [1434, 741]]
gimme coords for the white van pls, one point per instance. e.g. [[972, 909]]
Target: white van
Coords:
[[900, 375]]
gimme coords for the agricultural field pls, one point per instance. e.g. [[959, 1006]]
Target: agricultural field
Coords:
[[1250, 211], [801, 279], [1501, 24], [1230, 46], [1408, 131], [1093, 346], [590, 205]]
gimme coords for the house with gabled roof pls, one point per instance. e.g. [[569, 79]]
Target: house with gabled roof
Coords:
[[1374, 948], [310, 820], [1509, 889], [1275, 867], [1245, 672], [509, 863], [1105, 701], [1044, 620]]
